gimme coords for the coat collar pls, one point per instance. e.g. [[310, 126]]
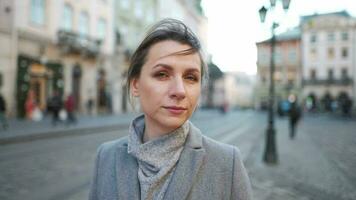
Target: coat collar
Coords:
[[188, 166], [184, 175]]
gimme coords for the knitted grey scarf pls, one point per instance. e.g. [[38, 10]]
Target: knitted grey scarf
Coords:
[[157, 158]]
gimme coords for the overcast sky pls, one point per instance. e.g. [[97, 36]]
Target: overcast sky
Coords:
[[234, 27]]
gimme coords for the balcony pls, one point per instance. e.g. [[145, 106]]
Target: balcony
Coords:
[[74, 43], [341, 82]]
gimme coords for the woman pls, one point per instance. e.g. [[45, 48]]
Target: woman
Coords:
[[165, 156]]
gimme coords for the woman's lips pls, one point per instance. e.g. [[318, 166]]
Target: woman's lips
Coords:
[[175, 109]]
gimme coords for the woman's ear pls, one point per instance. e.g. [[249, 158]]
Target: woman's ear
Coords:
[[135, 87]]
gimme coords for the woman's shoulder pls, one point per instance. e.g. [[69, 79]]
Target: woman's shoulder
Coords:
[[215, 149], [222, 149], [113, 145]]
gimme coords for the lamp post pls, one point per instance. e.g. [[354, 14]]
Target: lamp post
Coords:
[[270, 155]]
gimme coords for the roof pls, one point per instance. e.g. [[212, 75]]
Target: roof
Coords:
[[342, 13], [290, 34]]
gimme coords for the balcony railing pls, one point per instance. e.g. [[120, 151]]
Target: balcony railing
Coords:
[[74, 43], [343, 81]]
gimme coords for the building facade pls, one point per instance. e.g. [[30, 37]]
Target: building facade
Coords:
[[287, 59], [8, 54], [329, 64], [64, 46], [80, 48], [235, 90]]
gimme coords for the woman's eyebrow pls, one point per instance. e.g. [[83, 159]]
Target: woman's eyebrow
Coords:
[[195, 70], [170, 68], [164, 66]]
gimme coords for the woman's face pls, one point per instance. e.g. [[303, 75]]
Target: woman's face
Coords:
[[169, 85]]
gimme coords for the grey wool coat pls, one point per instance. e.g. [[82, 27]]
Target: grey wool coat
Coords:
[[205, 170]]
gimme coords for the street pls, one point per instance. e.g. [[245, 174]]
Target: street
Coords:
[[318, 164]]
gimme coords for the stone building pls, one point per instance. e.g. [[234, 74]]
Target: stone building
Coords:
[[64, 46], [329, 58], [288, 62]]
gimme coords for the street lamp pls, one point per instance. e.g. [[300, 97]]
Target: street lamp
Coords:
[[270, 154]]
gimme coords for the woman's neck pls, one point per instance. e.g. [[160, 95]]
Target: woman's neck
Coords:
[[154, 132], [151, 133]]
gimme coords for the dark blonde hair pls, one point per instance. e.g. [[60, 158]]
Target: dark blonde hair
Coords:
[[166, 29]]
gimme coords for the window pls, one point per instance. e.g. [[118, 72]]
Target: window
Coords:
[[344, 52], [38, 11], [344, 74], [277, 56], [344, 36], [313, 74], [331, 37], [67, 17], [277, 76], [83, 24], [313, 38], [292, 56], [330, 74], [290, 82], [101, 29], [331, 53], [313, 53], [262, 55]]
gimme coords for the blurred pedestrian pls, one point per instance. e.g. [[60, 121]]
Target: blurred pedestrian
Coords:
[[56, 105], [3, 118], [30, 104], [37, 114], [224, 107], [165, 156], [294, 115], [346, 107], [90, 106], [70, 106]]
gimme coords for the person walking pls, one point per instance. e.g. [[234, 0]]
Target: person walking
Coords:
[[165, 156], [56, 105], [69, 105], [30, 104], [90, 105], [3, 118], [294, 116]]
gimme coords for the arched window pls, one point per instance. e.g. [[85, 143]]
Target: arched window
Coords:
[[67, 17], [38, 11], [83, 23], [101, 28]]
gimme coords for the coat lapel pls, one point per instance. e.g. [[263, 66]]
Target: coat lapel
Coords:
[[188, 166], [126, 175]]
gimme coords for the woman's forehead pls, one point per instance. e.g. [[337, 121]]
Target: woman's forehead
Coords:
[[167, 47], [167, 50]]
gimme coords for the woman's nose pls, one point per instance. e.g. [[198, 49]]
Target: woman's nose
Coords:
[[177, 89]]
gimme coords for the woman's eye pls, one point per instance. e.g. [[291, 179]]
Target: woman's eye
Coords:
[[192, 78], [161, 75]]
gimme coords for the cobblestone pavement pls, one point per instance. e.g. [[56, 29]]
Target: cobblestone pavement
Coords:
[[318, 164]]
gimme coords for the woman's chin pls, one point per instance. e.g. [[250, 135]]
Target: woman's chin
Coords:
[[173, 123]]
